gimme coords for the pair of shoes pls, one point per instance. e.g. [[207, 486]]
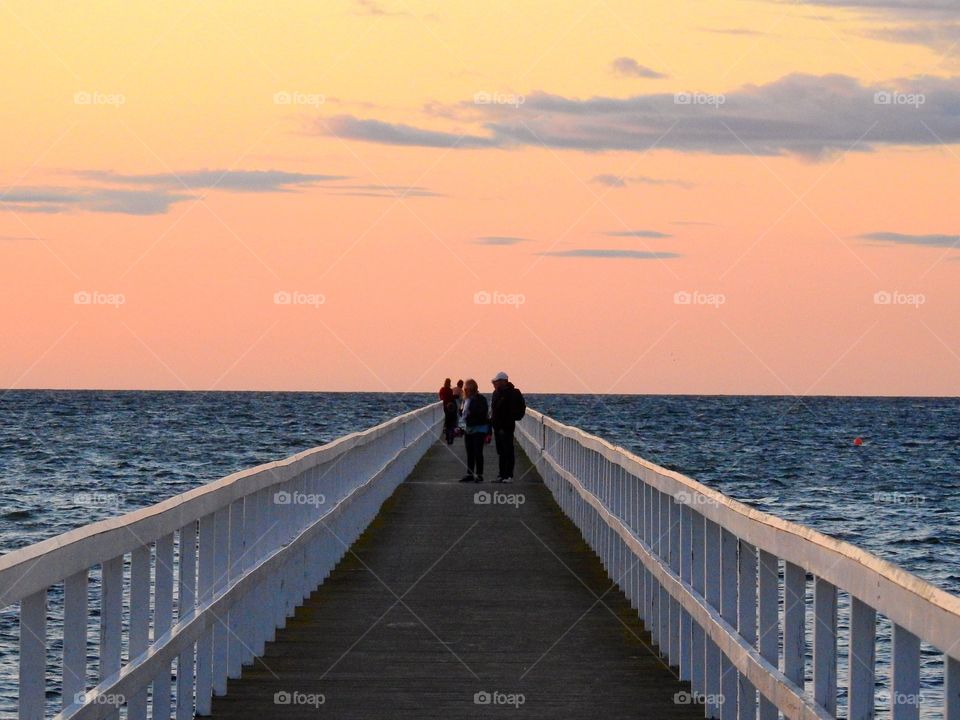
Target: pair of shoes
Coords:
[[467, 478], [478, 479], [498, 480], [507, 480]]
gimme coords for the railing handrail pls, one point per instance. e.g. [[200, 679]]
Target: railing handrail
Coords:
[[29, 569], [883, 588]]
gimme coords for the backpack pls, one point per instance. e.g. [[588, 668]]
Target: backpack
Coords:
[[518, 405]]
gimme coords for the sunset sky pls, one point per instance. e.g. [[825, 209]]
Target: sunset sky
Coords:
[[730, 196]]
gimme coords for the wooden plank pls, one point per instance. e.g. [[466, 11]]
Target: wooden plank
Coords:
[[495, 623]]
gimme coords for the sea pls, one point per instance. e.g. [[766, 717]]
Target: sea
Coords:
[[881, 473]]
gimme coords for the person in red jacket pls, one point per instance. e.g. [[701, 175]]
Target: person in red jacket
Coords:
[[446, 393], [446, 396]]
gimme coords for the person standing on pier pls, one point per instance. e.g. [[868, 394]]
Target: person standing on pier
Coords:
[[458, 395], [475, 428], [507, 406]]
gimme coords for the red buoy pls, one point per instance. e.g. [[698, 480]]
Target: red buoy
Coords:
[[858, 441]]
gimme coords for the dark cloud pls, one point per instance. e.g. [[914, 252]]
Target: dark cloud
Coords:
[[230, 180], [807, 115], [901, 7], [905, 239], [611, 253], [349, 127], [628, 67], [942, 35], [655, 234], [104, 200], [499, 240], [618, 181]]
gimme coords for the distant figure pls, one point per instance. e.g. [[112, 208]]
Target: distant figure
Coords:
[[507, 406], [446, 392], [449, 411], [475, 429], [458, 394]]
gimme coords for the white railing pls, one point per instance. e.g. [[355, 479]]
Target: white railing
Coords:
[[193, 587], [724, 590]]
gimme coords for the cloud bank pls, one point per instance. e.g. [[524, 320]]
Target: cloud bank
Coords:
[[805, 115], [906, 239]]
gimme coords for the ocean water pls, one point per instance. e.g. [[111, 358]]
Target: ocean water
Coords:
[[68, 458]]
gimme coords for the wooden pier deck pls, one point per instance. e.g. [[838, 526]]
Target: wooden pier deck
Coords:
[[445, 602]]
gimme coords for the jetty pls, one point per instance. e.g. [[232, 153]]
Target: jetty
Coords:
[[360, 579]]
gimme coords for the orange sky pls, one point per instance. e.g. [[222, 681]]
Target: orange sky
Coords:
[[660, 197]]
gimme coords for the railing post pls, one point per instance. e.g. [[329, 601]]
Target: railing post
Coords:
[[33, 656], [768, 612], [728, 610], [186, 604], [162, 620], [698, 564], [825, 645], [794, 621], [905, 688], [76, 610], [747, 625], [111, 617], [663, 553], [205, 584], [863, 629], [714, 662], [686, 575], [951, 688], [139, 622], [236, 613]]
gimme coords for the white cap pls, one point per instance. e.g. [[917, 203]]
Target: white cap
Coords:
[[500, 376]]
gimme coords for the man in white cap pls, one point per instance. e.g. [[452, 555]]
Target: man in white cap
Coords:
[[506, 407]]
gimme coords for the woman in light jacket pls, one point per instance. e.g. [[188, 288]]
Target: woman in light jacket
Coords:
[[476, 424]]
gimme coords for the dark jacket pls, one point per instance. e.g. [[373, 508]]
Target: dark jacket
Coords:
[[477, 412], [503, 407]]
